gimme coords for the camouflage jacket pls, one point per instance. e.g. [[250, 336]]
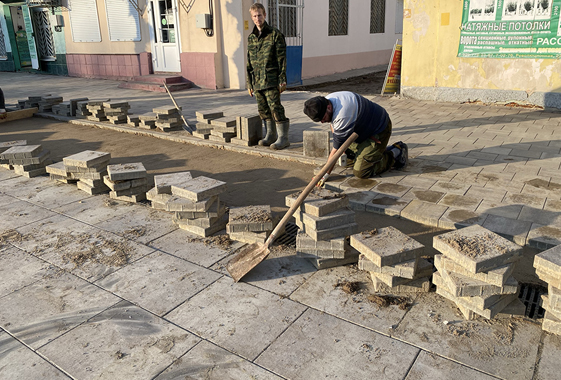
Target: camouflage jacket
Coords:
[[266, 58]]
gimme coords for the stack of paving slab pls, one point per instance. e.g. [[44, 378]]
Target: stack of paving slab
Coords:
[[203, 127], [394, 261], [548, 269], [195, 202], [116, 112], [27, 160], [249, 130], [128, 182], [97, 111], [82, 109], [168, 119], [223, 129], [89, 167], [68, 108], [57, 172], [475, 270], [147, 120], [251, 224], [33, 101], [7, 145], [324, 221], [21, 104], [47, 102], [133, 120]]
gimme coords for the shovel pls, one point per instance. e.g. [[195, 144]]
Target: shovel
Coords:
[[254, 253]]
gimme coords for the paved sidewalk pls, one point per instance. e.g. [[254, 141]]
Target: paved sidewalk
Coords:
[[493, 165], [172, 311]]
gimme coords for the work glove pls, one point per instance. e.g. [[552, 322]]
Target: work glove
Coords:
[[322, 181]]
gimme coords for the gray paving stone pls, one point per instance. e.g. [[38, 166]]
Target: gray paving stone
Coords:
[[424, 270], [19, 269], [487, 193], [158, 282], [207, 360], [304, 351], [21, 151], [423, 195], [93, 210], [204, 229], [420, 285], [123, 339], [387, 246], [549, 260], [250, 218], [476, 248], [196, 251], [497, 276], [539, 216], [19, 362], [20, 213], [489, 347], [335, 219], [391, 189], [58, 168], [319, 202], [467, 286], [141, 224], [199, 188], [515, 230], [353, 183], [44, 310], [500, 209], [163, 182], [450, 187], [249, 129], [237, 310], [429, 366], [125, 172], [456, 219], [543, 237], [386, 205], [359, 199], [406, 269], [549, 359], [327, 233], [460, 202], [87, 159], [423, 212]]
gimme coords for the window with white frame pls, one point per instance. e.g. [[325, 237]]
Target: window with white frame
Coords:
[[338, 17], [377, 16], [123, 20], [84, 21]]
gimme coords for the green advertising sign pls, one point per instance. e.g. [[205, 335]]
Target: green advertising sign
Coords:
[[510, 29]]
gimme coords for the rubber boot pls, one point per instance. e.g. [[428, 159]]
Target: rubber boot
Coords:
[[282, 130], [271, 135]]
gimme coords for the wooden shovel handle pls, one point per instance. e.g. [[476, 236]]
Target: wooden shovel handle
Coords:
[[178, 109], [310, 187]]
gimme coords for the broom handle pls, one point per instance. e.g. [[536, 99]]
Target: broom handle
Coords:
[[310, 187]]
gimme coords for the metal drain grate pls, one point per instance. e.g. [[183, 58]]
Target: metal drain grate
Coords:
[[530, 295], [289, 236]]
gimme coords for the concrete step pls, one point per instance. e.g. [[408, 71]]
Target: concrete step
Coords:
[[159, 78], [155, 87]]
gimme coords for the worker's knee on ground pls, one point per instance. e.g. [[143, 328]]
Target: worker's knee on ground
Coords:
[[363, 173]]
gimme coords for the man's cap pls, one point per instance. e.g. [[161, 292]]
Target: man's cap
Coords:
[[316, 107]]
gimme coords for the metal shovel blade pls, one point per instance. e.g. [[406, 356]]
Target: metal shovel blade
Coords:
[[247, 259]]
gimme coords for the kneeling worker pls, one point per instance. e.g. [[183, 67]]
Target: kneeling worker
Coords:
[[349, 112]]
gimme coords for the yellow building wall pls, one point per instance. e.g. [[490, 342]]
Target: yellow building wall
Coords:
[[431, 34], [106, 46]]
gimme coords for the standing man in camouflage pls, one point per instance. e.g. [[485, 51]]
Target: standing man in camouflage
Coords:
[[266, 77]]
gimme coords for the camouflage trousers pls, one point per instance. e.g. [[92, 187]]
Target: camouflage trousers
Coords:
[[269, 104], [369, 158]]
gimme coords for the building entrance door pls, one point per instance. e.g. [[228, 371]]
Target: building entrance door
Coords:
[[164, 35]]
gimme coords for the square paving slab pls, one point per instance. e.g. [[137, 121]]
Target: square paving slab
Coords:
[[94, 210], [48, 308], [306, 351], [476, 248], [142, 224], [549, 361], [19, 269], [158, 282], [18, 362], [192, 248], [434, 367], [20, 213], [199, 188], [207, 361], [227, 313], [163, 182], [123, 342], [506, 348], [79, 248], [322, 293]]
